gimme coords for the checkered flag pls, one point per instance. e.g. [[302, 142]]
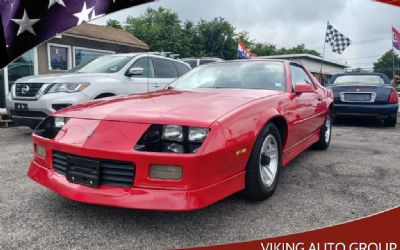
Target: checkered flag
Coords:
[[337, 40]]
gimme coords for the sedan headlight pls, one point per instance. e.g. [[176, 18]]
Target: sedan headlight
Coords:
[[172, 139], [50, 127], [67, 87]]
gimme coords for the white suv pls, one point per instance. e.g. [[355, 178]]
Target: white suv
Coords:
[[32, 98]]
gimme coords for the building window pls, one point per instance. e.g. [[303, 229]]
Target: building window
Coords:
[[83, 56], [59, 57]]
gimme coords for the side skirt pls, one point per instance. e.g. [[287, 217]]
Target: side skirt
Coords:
[[291, 153]]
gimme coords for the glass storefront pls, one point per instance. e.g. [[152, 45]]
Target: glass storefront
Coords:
[[83, 56], [23, 66]]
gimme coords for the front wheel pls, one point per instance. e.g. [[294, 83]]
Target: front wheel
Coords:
[[325, 134], [264, 166]]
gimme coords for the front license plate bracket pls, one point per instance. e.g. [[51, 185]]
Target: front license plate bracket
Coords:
[[83, 171]]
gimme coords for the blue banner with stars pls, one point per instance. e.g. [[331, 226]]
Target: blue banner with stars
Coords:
[[27, 23]]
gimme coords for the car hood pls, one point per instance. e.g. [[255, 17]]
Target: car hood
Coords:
[[199, 107], [62, 78]]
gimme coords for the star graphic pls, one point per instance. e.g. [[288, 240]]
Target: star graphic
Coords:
[[83, 16], [25, 24], [52, 2], [93, 16]]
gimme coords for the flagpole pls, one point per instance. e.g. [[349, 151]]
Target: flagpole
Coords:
[[323, 54]]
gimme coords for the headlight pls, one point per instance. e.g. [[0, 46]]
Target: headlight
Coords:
[[197, 134], [50, 127], [67, 87], [172, 139], [59, 122], [172, 133]]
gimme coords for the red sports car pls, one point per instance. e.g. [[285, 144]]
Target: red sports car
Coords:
[[220, 129]]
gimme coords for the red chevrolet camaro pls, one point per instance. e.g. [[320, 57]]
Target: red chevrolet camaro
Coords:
[[220, 129]]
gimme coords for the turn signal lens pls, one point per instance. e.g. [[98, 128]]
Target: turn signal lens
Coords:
[[166, 172], [393, 99], [40, 151]]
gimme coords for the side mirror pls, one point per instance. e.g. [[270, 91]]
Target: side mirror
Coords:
[[303, 88], [135, 71]]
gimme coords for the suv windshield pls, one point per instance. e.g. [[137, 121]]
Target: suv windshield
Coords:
[[359, 79], [240, 75], [105, 64]]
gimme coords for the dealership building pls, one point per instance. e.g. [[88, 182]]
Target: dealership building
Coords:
[[313, 63], [73, 48]]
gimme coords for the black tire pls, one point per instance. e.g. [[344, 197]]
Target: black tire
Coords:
[[324, 141], [391, 121], [256, 189]]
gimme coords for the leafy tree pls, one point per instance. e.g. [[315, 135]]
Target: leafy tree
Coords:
[[114, 24], [385, 64], [163, 30]]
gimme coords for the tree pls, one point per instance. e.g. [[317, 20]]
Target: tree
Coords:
[[385, 64], [159, 28], [114, 24]]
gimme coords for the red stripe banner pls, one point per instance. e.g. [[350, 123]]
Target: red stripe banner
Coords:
[[378, 232], [392, 2]]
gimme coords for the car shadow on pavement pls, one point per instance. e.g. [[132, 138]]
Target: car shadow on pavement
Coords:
[[359, 122]]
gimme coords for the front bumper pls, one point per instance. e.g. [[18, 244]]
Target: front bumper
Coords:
[[207, 178], [40, 108], [377, 110], [135, 197]]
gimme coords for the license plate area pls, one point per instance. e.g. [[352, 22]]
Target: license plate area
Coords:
[[21, 107], [365, 97], [83, 171]]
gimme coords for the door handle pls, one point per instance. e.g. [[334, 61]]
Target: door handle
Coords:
[[156, 85]]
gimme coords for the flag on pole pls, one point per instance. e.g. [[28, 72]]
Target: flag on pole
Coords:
[[337, 40], [25, 24], [243, 52], [396, 38]]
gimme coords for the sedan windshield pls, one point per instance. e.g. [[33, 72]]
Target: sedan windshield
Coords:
[[105, 64], [239, 75], [359, 79]]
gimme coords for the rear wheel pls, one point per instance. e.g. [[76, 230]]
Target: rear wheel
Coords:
[[325, 134], [391, 121], [264, 166]]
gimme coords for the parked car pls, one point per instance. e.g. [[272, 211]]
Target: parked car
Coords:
[[398, 90], [365, 94], [195, 62], [217, 130], [32, 98]]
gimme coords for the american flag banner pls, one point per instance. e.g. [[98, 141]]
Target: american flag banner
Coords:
[[337, 40], [396, 38], [27, 23]]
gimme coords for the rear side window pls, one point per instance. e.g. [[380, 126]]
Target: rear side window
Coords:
[[299, 75], [165, 68], [181, 68]]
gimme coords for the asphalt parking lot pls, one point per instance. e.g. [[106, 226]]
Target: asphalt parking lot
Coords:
[[358, 176]]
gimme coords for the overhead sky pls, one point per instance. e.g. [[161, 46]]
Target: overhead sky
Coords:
[[290, 22]]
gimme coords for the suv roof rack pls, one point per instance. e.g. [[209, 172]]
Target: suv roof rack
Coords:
[[165, 54]]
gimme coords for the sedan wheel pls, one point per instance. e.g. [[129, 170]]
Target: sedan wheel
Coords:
[[265, 164], [325, 134]]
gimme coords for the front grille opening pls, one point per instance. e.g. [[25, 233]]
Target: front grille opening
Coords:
[[27, 89], [112, 173]]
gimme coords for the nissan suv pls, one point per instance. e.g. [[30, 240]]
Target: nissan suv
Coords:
[[32, 98]]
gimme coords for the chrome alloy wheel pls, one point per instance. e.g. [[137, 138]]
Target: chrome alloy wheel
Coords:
[[269, 158], [328, 129]]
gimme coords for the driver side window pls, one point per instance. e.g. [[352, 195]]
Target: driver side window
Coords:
[[147, 64], [299, 75]]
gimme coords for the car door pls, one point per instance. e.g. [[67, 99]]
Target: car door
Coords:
[[305, 105], [141, 83], [166, 73]]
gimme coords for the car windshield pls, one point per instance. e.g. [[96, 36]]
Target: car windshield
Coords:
[[105, 64], [239, 75], [359, 79]]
